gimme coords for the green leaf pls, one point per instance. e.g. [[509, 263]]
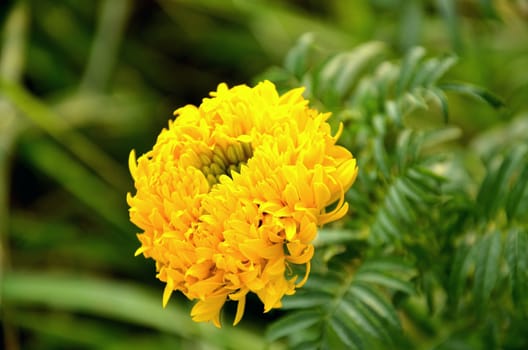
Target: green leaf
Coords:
[[516, 193], [306, 298], [350, 313], [474, 91], [329, 236], [408, 67], [339, 336], [428, 72], [386, 280], [425, 179], [448, 10], [399, 205], [328, 282], [291, 323], [367, 325], [344, 333], [385, 228], [374, 300], [487, 267], [440, 68], [356, 309], [411, 24], [297, 59], [407, 149], [440, 136], [381, 157], [85, 150], [14, 35], [407, 187], [341, 72], [120, 301], [439, 96], [393, 112], [516, 252], [360, 58], [405, 198], [79, 331], [307, 345], [58, 164], [387, 265], [494, 191], [488, 8], [110, 31], [383, 80], [462, 263]]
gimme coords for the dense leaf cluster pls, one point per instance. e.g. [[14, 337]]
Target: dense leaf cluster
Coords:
[[430, 248], [433, 252]]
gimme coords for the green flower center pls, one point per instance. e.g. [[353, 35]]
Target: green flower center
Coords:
[[223, 161]]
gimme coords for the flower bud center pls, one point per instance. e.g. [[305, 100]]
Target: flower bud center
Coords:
[[225, 160]]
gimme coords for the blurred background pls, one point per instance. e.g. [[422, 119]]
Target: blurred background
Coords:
[[84, 82]]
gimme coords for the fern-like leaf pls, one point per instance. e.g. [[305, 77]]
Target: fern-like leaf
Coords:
[[515, 250], [349, 309], [487, 267]]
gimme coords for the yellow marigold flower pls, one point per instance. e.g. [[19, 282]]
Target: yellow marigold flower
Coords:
[[232, 193]]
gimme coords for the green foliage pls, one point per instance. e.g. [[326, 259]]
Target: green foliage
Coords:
[[346, 306], [433, 253], [416, 229]]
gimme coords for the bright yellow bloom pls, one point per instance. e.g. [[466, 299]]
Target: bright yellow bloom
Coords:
[[232, 193]]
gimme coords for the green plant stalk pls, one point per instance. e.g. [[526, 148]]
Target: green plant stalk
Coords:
[[45, 118], [12, 61], [52, 160], [14, 43], [112, 22], [10, 340], [124, 302], [275, 39]]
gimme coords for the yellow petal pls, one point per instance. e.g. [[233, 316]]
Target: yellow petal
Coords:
[[209, 309], [306, 274], [290, 228], [241, 298], [132, 163], [227, 185], [169, 288]]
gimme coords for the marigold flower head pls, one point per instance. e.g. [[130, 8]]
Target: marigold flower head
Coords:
[[232, 194]]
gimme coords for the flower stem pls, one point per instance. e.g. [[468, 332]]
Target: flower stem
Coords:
[[11, 68]]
